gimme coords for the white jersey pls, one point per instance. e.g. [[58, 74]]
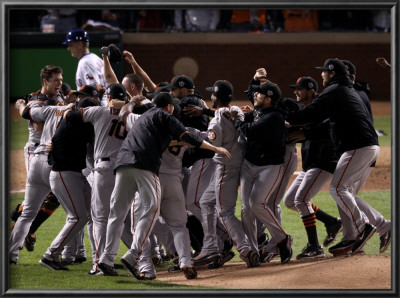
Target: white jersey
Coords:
[[171, 161], [90, 72], [51, 116], [222, 133], [109, 130]]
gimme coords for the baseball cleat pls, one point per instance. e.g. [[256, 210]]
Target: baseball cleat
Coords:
[[385, 240], [190, 272], [311, 252], [156, 259], [226, 257], [175, 269], [108, 270], [332, 231], [204, 259], [96, 272], [30, 241], [251, 259], [79, 259], [52, 265], [266, 257], [363, 237], [342, 248], [132, 269], [285, 249]]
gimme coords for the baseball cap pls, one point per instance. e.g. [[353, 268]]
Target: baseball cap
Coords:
[[113, 53], [65, 88], [88, 102], [182, 81], [160, 87], [161, 100], [305, 83], [350, 67], [249, 89], [334, 64], [117, 91], [76, 35], [222, 88], [88, 90], [269, 89]]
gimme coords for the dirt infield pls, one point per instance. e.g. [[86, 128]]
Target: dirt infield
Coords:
[[355, 272]]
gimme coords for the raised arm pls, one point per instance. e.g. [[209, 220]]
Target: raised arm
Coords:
[[109, 74], [148, 83]]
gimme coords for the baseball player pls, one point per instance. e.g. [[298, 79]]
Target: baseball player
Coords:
[[90, 66], [109, 134], [318, 161], [356, 143], [51, 80], [383, 226], [44, 96], [222, 132], [199, 161], [138, 163], [67, 159], [266, 136], [270, 249]]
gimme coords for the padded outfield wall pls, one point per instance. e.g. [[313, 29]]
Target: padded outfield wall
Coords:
[[208, 57]]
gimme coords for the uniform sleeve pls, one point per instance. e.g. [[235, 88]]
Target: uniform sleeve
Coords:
[[215, 135], [180, 132], [36, 114], [91, 114]]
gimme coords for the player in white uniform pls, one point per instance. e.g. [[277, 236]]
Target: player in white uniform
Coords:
[[51, 79], [222, 132], [109, 134], [90, 66], [37, 184]]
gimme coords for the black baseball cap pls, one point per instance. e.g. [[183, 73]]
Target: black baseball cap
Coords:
[[113, 53], [161, 100], [223, 89], [117, 91], [65, 88], [182, 82], [350, 67], [269, 89], [305, 83], [87, 90], [334, 64], [88, 102], [160, 87]]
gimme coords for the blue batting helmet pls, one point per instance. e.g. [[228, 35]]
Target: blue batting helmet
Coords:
[[76, 35]]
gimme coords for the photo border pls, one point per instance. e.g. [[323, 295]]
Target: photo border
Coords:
[[150, 4]]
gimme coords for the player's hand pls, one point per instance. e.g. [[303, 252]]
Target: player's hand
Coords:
[[128, 57], [138, 99], [20, 103], [288, 125], [204, 104], [104, 55], [296, 136], [382, 62], [246, 109], [223, 151], [116, 104], [49, 146], [193, 110], [261, 73]]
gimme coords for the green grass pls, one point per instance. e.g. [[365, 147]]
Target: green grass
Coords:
[[28, 274], [384, 123]]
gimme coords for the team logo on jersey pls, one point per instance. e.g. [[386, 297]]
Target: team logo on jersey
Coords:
[[89, 77], [212, 135]]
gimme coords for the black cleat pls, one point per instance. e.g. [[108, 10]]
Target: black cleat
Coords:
[[285, 249], [30, 241], [190, 272], [52, 265], [342, 248], [385, 241], [332, 231], [132, 269], [363, 237], [311, 252], [108, 270], [205, 259], [251, 259]]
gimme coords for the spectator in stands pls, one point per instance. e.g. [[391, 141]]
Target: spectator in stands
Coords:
[[197, 20], [300, 20], [245, 20]]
